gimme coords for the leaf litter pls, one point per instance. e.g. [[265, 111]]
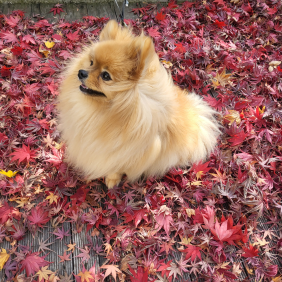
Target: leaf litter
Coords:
[[227, 52]]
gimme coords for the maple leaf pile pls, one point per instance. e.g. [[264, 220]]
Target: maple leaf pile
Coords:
[[216, 221]]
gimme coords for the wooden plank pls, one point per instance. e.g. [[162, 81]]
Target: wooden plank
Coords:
[[84, 241]]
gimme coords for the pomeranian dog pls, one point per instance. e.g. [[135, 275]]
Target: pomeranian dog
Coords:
[[120, 112]]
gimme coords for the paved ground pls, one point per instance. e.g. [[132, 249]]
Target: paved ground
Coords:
[[73, 11]]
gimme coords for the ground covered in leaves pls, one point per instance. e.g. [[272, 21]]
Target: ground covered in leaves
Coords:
[[230, 53]]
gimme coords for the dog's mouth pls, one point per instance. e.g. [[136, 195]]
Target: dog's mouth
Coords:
[[89, 91]]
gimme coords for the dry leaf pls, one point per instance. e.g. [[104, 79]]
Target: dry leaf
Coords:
[[49, 44]]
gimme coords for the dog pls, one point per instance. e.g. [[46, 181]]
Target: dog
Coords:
[[120, 112]]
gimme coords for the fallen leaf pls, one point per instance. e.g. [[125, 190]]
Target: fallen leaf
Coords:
[[111, 270], [49, 44], [8, 173], [3, 258]]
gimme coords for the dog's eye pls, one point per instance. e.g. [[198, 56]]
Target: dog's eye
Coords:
[[91, 63], [106, 76]]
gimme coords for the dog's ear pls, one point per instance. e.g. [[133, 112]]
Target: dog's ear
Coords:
[[113, 31], [109, 31], [142, 51], [146, 48]]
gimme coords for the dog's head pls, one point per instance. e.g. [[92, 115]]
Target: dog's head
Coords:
[[115, 63]]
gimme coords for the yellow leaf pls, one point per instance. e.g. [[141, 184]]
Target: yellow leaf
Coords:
[[52, 198], [53, 278], [196, 183], [260, 242], [71, 247], [199, 174], [8, 173], [45, 52], [190, 212], [210, 68], [85, 276], [186, 241], [233, 116], [167, 64], [22, 201], [38, 190], [49, 44], [3, 258], [277, 279], [221, 79], [249, 270], [108, 248], [59, 146], [222, 265], [261, 111], [44, 272]]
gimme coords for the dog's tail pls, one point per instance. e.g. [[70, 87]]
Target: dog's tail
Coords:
[[208, 126]]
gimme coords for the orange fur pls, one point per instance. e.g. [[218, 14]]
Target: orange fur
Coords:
[[143, 125]]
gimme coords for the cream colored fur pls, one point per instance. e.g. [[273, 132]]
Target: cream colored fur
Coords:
[[144, 126]]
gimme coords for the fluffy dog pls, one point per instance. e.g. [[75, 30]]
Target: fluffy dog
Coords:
[[120, 112]]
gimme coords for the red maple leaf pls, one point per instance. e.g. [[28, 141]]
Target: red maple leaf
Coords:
[[164, 268], [32, 263], [271, 271], [79, 196], [50, 67], [208, 217], [24, 153], [17, 50], [84, 254], [219, 2], [180, 48], [199, 168], [160, 16], [9, 37], [28, 39], [61, 233], [153, 32], [139, 215], [12, 21], [221, 232], [198, 217], [5, 71], [272, 11], [57, 37], [56, 159], [3, 137], [237, 134], [219, 24], [65, 54], [172, 5], [164, 219], [57, 9], [250, 252], [73, 36], [192, 252], [214, 102], [198, 196], [238, 138], [8, 212], [140, 276], [38, 216], [247, 8]]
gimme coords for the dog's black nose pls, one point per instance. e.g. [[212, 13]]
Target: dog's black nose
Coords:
[[82, 74]]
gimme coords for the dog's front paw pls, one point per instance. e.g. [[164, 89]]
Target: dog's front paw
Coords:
[[113, 180]]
